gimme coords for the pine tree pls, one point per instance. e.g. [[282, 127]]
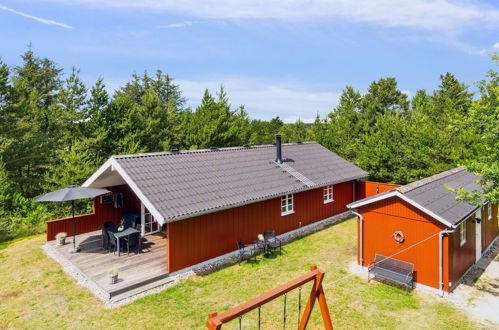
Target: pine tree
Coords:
[[71, 101], [484, 119], [33, 127], [212, 124], [382, 96]]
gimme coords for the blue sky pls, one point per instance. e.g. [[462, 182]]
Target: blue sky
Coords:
[[278, 58]]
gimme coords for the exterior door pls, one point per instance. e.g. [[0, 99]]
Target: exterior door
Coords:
[[478, 234], [149, 224]]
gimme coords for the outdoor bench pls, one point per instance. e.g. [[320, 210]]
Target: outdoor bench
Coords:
[[391, 269]]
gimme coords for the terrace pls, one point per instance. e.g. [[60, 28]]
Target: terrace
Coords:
[[137, 272]]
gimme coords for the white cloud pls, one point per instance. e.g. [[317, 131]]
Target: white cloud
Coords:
[[451, 15], [178, 25], [496, 45], [265, 99], [38, 19]]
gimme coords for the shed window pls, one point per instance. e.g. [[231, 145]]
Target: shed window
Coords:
[[489, 211], [462, 232], [287, 204], [328, 194]]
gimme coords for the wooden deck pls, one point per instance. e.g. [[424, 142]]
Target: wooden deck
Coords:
[[135, 270]]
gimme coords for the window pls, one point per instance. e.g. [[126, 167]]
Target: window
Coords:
[[328, 194], [462, 232], [489, 211], [118, 200], [287, 204], [106, 198]]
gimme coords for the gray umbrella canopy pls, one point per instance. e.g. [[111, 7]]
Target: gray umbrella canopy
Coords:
[[71, 193]]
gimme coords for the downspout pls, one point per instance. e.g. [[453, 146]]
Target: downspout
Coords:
[[441, 259], [361, 238]]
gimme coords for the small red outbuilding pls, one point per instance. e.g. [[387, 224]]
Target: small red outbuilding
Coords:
[[423, 223]]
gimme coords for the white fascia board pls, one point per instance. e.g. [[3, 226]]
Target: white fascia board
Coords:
[[396, 193], [366, 201], [98, 173], [117, 167]]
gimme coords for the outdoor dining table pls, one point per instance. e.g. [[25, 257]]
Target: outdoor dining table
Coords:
[[122, 234]]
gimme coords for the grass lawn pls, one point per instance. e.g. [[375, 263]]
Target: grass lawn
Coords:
[[36, 293]]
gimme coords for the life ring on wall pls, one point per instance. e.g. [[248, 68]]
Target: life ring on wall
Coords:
[[398, 236]]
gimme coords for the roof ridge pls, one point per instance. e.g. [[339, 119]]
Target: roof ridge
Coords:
[[419, 183], [195, 151]]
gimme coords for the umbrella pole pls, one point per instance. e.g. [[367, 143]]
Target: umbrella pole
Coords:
[[74, 228], [74, 224]]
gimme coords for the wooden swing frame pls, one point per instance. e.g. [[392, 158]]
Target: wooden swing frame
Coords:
[[215, 321]]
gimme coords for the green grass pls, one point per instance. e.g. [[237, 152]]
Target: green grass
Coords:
[[7, 243], [35, 293]]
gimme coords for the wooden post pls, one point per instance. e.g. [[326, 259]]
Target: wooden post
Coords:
[[142, 219], [215, 321]]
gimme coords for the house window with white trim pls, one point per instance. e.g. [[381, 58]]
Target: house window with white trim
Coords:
[[328, 194], [287, 204], [462, 232], [489, 211]]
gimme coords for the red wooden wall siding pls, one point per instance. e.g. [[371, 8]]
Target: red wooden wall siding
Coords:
[[101, 213], [461, 257], [383, 218], [365, 189], [489, 227], [200, 238]]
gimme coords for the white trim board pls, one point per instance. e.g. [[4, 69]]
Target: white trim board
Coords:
[[111, 162], [396, 193]]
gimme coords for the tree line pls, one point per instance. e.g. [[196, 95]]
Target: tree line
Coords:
[[55, 130]]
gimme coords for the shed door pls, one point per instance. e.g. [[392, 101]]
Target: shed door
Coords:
[[478, 234]]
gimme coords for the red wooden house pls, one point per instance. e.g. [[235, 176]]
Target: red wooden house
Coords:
[[206, 200], [423, 223]]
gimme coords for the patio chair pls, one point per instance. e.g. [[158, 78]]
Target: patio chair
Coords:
[[133, 241], [245, 251], [105, 239], [113, 243], [131, 219], [272, 241], [108, 224]]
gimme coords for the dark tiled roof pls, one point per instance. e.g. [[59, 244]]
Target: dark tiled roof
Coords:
[[186, 183], [433, 195]]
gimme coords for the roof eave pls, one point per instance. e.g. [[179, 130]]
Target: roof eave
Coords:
[[247, 202], [396, 193], [111, 162]]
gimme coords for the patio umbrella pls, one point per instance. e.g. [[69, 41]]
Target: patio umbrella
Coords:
[[72, 193]]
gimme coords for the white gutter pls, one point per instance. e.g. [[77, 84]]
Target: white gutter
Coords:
[[361, 238], [440, 259]]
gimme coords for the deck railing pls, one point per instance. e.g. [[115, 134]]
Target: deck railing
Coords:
[[84, 224]]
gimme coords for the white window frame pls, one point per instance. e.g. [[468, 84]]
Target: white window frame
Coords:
[[489, 211], [328, 195], [462, 232], [287, 204]]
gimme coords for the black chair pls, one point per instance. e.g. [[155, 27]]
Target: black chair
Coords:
[[133, 241], [131, 219], [272, 241], [113, 243], [105, 239], [245, 251], [108, 224]]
